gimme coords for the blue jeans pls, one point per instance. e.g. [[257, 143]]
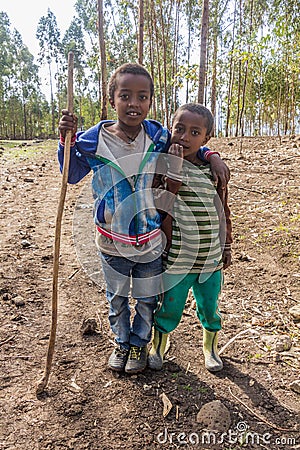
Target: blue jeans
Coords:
[[144, 281]]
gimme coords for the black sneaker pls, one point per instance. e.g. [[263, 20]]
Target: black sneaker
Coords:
[[137, 359], [118, 358]]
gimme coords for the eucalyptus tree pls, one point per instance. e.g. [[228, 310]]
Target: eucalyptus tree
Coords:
[[48, 36], [203, 50], [229, 41], [19, 85], [88, 16], [122, 19], [285, 31], [163, 35], [141, 32], [241, 45], [101, 38], [215, 77], [26, 86], [191, 15], [74, 41], [118, 43], [6, 58], [162, 53]]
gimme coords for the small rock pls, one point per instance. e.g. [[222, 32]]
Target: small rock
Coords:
[[276, 358], [283, 343], [279, 343], [193, 304], [19, 301], [89, 326], [244, 257], [295, 312], [147, 387], [25, 243], [6, 296], [214, 416], [295, 386], [255, 321], [268, 340], [74, 410]]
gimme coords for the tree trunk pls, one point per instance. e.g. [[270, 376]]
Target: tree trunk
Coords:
[[103, 60], [188, 52], [203, 50], [239, 77], [214, 78], [158, 53], [141, 32], [52, 101], [151, 54], [164, 46], [26, 136], [246, 74], [231, 75], [174, 105]]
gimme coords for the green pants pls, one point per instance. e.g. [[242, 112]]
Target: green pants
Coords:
[[206, 290]]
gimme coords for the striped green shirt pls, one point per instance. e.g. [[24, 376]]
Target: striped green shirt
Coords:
[[195, 228]]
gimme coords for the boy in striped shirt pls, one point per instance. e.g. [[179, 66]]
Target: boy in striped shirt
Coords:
[[199, 237]]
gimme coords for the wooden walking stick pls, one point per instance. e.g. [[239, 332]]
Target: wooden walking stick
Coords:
[[44, 380]]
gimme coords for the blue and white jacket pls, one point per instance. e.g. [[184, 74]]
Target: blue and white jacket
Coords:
[[123, 207]]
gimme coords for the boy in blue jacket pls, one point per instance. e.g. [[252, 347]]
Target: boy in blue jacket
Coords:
[[123, 155]]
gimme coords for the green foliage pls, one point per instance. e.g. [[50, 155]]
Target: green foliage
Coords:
[[252, 73], [22, 108]]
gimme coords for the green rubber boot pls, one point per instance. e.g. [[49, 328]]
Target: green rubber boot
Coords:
[[158, 348], [213, 362]]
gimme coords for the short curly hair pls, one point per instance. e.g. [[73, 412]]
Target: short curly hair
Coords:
[[202, 111], [135, 69]]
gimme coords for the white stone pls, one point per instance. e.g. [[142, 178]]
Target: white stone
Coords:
[[295, 386], [295, 312]]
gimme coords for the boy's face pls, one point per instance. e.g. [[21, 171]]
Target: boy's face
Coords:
[[189, 129], [132, 98]]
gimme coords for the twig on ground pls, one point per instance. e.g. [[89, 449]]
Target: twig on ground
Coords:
[[272, 425], [250, 330], [249, 190], [290, 157], [73, 274], [7, 340], [99, 320]]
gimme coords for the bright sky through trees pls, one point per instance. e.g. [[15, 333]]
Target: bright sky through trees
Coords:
[[25, 15]]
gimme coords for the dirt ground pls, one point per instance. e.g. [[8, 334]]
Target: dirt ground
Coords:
[[85, 405]]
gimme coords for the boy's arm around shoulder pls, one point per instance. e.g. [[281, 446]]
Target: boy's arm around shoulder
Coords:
[[223, 195], [220, 171]]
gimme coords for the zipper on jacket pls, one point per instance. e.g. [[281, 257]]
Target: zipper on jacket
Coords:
[[132, 186]]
